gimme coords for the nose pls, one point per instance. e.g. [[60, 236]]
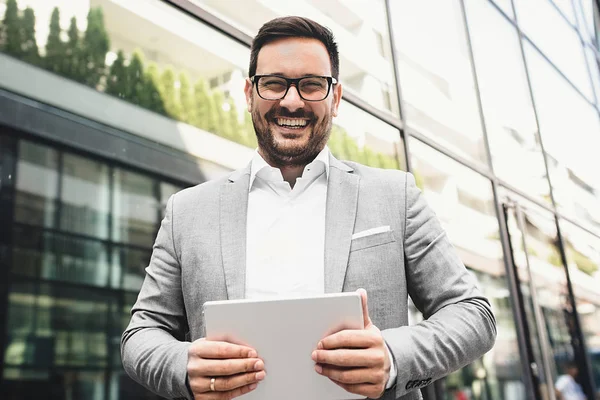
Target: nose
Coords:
[[292, 100]]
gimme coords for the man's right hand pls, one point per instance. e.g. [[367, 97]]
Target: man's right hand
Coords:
[[236, 369]]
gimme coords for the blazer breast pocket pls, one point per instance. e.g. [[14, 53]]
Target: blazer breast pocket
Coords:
[[376, 239]]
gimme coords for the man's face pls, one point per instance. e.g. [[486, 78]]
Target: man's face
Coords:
[[292, 131]]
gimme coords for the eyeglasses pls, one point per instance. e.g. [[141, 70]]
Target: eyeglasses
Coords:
[[310, 88]]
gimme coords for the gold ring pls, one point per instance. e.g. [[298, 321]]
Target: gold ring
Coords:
[[212, 384]]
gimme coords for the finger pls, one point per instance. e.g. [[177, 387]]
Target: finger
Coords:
[[349, 339], [365, 307], [349, 357], [226, 384], [349, 375], [369, 390], [223, 350], [226, 395], [215, 367]]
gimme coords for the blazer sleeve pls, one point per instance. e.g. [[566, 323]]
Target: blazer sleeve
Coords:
[[459, 326], [153, 349]]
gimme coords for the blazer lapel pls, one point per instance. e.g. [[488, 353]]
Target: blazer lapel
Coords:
[[233, 211], [342, 200]]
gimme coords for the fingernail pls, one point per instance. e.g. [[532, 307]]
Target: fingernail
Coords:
[[259, 365], [253, 386], [320, 345], [314, 355], [252, 354], [318, 368], [260, 375]]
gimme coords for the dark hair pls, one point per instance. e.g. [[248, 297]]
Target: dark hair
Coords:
[[294, 27]]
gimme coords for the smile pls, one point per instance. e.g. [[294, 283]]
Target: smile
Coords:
[[291, 122]]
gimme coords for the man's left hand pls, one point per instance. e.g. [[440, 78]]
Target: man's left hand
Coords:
[[356, 360]]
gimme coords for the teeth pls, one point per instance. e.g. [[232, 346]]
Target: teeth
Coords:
[[291, 122]]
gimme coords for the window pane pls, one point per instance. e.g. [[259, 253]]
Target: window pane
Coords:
[[166, 191], [37, 184], [359, 26], [556, 39], [436, 76], [506, 6], [55, 256], [84, 196], [541, 272], [593, 66], [135, 208], [129, 268], [585, 10], [566, 8], [509, 116], [463, 202], [358, 136], [51, 325], [583, 257], [72, 384], [569, 128]]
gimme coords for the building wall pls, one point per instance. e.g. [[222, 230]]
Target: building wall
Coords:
[[499, 106]]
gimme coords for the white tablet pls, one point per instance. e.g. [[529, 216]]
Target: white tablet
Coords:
[[284, 333]]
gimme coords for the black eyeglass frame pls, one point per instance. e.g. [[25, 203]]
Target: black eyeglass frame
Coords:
[[293, 81]]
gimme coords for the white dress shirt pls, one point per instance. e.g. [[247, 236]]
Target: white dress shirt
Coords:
[[285, 237]]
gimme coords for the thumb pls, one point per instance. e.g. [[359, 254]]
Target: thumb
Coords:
[[363, 298]]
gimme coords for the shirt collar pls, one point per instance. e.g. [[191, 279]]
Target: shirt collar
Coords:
[[258, 163]]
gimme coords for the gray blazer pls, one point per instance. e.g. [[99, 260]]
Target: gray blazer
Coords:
[[200, 251]]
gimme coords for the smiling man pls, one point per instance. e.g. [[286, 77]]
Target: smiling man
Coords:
[[298, 222]]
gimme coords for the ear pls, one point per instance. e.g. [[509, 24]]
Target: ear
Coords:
[[248, 87], [337, 97]]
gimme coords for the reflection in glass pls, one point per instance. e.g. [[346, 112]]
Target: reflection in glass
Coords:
[[436, 75], [594, 72], [463, 202], [166, 191], [51, 325], [566, 8], [509, 116], [587, 16], [129, 268], [84, 196], [359, 26], [583, 258], [37, 184], [564, 115], [506, 6], [543, 283], [55, 256], [358, 136], [556, 39], [135, 208]]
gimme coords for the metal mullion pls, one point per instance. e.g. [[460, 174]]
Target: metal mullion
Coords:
[[109, 257], [399, 98], [563, 16], [524, 36], [476, 85], [585, 58], [516, 297], [586, 367], [586, 371], [537, 308]]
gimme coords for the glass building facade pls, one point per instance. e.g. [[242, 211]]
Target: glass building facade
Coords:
[[108, 107]]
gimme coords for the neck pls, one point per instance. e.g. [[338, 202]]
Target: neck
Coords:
[[291, 173]]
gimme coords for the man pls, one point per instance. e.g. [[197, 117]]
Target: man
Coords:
[[297, 221], [566, 386]]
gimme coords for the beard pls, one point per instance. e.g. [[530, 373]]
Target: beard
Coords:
[[290, 155]]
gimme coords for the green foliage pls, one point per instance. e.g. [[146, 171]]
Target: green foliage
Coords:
[[116, 82], [72, 67], [95, 45], [11, 30], [583, 263], [233, 127], [151, 89], [222, 121], [134, 78], [201, 112], [169, 94], [249, 133], [29, 48], [55, 48], [185, 98]]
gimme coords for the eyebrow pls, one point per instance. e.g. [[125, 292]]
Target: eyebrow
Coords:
[[285, 76]]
